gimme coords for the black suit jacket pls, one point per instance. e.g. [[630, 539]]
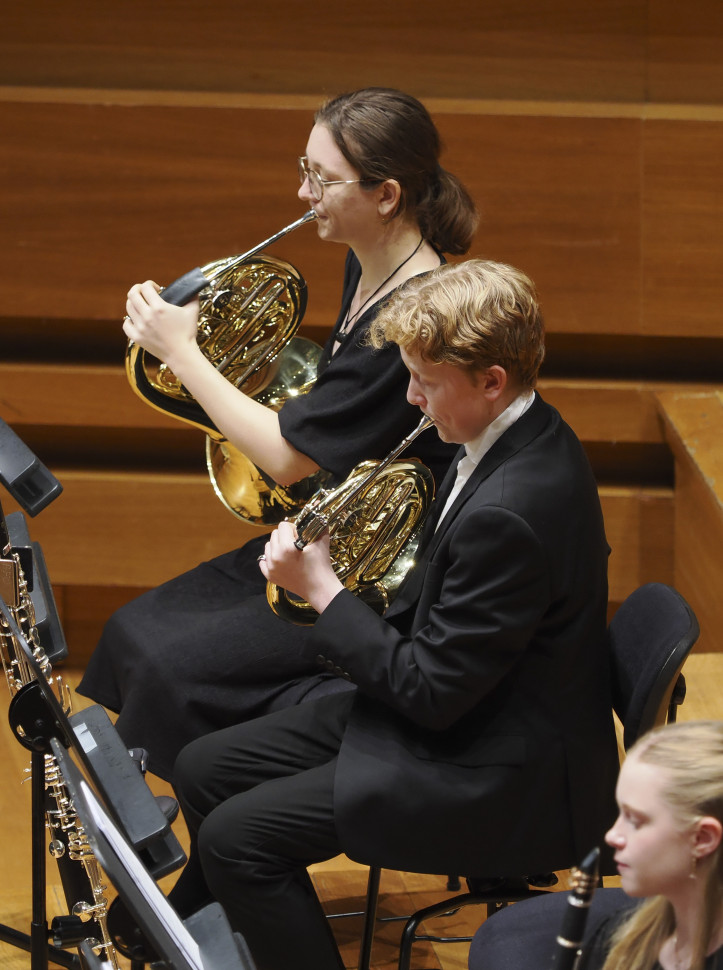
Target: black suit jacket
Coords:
[[481, 739]]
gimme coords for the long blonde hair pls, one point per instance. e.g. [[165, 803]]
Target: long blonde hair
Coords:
[[691, 755]]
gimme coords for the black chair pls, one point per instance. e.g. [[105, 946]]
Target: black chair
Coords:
[[650, 635], [524, 937]]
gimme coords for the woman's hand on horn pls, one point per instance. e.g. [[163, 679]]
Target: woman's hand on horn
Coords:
[[306, 572], [166, 331]]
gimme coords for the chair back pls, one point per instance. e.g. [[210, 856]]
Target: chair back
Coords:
[[651, 635]]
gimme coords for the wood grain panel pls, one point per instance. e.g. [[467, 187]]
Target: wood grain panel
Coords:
[[132, 529], [593, 207], [520, 49], [698, 559], [694, 426], [100, 396], [610, 411], [560, 199], [138, 192], [685, 53], [639, 527], [681, 226], [75, 395]]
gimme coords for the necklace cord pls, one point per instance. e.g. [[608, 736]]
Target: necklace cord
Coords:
[[349, 321]]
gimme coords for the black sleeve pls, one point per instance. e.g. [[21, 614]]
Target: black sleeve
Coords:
[[597, 946]]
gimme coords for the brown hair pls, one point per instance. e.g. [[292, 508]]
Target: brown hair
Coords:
[[386, 134], [472, 315]]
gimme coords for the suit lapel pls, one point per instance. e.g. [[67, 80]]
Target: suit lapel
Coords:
[[522, 432], [440, 500]]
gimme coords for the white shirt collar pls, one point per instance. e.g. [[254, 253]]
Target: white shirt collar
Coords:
[[479, 446]]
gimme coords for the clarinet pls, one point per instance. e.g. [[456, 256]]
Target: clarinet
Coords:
[[569, 939]]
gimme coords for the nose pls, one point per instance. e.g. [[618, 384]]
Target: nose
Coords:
[[414, 394], [613, 837], [304, 192]]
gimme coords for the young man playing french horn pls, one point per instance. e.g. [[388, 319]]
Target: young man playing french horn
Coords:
[[480, 738]]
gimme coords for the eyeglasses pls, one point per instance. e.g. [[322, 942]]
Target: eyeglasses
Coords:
[[317, 183]]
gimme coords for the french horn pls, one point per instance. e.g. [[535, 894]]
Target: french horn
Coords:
[[374, 517], [251, 308]]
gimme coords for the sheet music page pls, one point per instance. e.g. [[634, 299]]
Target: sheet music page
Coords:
[[150, 891]]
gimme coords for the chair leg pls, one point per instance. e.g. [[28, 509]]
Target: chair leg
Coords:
[[370, 916], [500, 893], [409, 933]]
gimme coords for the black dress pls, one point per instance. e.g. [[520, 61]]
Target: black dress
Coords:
[[596, 952], [205, 650], [524, 936]]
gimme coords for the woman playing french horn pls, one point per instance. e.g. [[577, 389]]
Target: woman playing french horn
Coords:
[[204, 650]]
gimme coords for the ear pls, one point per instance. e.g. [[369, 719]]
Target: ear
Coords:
[[707, 836], [390, 192], [493, 381]]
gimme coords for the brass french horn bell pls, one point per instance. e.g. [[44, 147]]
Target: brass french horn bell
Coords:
[[251, 308]]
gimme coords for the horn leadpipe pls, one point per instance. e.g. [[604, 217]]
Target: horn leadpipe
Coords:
[[311, 524], [183, 290]]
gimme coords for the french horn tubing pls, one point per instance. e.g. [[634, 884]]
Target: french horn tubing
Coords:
[[374, 518], [251, 308]]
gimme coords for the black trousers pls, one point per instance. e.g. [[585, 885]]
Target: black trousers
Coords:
[[258, 801]]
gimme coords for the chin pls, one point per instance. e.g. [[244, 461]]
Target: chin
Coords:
[[325, 232], [632, 888]]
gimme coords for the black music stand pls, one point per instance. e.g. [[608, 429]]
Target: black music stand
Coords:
[[36, 717], [24, 475], [204, 941], [38, 720], [34, 487]]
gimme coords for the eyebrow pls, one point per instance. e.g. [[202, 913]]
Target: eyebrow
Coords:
[[635, 812], [315, 166]]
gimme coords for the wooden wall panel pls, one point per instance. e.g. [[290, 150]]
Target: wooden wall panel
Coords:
[[553, 49], [100, 396], [605, 50], [619, 411], [681, 224], [132, 529], [128, 193], [698, 560], [685, 52], [142, 192], [560, 198], [76, 395], [103, 197], [694, 428]]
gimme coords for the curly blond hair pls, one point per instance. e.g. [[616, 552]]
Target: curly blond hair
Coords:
[[472, 314]]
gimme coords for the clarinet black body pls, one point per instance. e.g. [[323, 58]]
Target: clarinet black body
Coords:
[[569, 939]]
